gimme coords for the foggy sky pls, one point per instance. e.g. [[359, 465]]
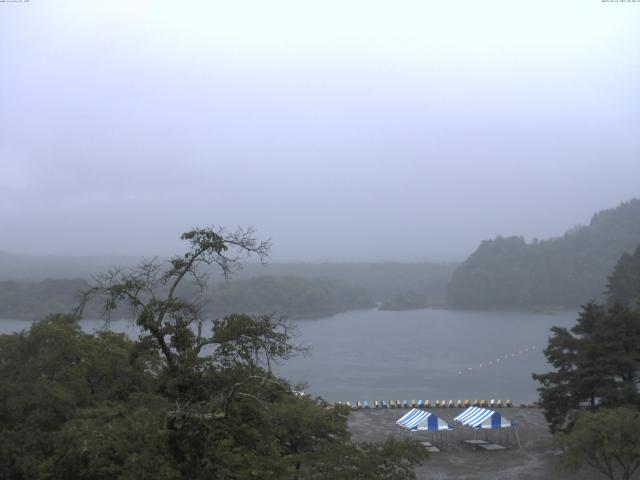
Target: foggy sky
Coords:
[[342, 130]]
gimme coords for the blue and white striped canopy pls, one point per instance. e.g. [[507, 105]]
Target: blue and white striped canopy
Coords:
[[477, 417], [422, 420]]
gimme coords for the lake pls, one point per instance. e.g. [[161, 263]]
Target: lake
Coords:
[[431, 354], [424, 354]]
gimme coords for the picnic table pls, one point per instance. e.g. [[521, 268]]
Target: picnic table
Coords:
[[491, 446], [430, 447]]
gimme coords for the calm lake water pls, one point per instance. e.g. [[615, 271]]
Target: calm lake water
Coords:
[[418, 354], [424, 354]]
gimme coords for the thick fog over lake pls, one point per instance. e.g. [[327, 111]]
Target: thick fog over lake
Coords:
[[342, 130]]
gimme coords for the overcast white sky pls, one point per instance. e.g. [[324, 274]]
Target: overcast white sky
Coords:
[[343, 130]]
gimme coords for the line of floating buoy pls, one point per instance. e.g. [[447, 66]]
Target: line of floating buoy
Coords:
[[499, 359], [427, 404]]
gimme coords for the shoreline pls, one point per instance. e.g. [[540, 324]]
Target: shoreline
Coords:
[[537, 459]]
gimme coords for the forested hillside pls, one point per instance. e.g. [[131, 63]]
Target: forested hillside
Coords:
[[564, 271], [295, 297], [35, 300], [36, 286], [383, 281], [624, 282], [35, 268]]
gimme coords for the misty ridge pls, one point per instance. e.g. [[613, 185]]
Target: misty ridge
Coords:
[[564, 272], [506, 272], [294, 290]]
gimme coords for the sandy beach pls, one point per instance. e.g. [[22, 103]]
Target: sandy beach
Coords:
[[535, 460]]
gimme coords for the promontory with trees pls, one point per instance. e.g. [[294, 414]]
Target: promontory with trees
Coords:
[[32, 287], [565, 271]]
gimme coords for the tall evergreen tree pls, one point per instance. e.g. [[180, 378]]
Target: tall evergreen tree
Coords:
[[596, 362], [624, 282]]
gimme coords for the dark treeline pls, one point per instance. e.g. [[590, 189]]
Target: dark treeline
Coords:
[[295, 297], [383, 281], [405, 301], [35, 268], [294, 290], [564, 271], [624, 282], [35, 300]]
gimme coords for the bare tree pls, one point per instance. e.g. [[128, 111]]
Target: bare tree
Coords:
[[244, 347], [150, 290]]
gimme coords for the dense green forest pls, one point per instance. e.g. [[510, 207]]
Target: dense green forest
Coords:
[[624, 282], [101, 406], [295, 297], [294, 290], [405, 301], [35, 268], [382, 281], [35, 300], [564, 271]]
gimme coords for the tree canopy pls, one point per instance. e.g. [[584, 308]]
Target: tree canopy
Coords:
[[563, 271], [190, 399], [624, 282], [607, 440], [596, 362]]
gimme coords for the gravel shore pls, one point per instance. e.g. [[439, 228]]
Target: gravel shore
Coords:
[[535, 460]]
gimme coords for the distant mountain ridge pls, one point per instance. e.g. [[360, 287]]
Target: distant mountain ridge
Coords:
[[296, 297], [564, 271], [34, 286], [35, 268]]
